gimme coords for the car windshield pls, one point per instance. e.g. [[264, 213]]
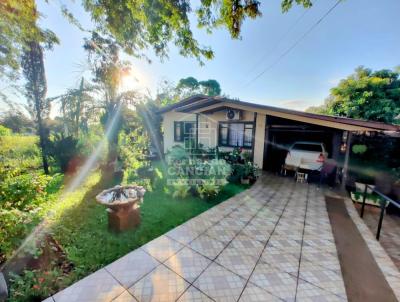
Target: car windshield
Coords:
[[307, 147]]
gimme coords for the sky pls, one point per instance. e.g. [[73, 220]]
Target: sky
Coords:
[[356, 32]]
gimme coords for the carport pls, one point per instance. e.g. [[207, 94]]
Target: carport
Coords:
[[282, 133]]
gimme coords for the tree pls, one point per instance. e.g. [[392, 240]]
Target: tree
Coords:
[[210, 87], [36, 85], [108, 71], [366, 94], [17, 121], [35, 91], [189, 86], [77, 108], [139, 25], [136, 25]]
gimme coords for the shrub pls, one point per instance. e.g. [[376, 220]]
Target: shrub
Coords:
[[359, 149], [210, 188], [4, 131], [243, 171], [18, 154], [64, 150], [15, 225], [180, 191], [36, 285], [177, 154], [23, 192]]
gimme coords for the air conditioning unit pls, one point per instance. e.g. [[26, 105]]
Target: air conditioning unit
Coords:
[[233, 115]]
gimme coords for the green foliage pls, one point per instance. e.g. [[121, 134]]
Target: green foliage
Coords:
[[24, 192], [18, 25], [77, 108], [18, 154], [15, 225], [4, 131], [34, 285], [17, 121], [78, 220], [210, 188], [177, 154], [243, 171], [180, 191], [64, 149], [32, 63], [287, 4], [190, 86], [366, 94], [359, 149]]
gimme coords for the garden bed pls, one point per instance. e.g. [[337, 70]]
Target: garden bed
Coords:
[[79, 226]]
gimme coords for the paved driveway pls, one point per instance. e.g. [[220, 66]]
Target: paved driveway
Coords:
[[272, 242]]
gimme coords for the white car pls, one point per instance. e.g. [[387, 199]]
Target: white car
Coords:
[[305, 155]]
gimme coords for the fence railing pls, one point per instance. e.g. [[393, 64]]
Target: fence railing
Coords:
[[383, 204]]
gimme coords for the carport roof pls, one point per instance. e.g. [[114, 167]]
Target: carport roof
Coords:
[[205, 104]]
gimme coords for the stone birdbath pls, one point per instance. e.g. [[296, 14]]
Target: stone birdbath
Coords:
[[123, 206]]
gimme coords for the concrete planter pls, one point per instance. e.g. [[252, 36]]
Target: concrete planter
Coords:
[[371, 199]]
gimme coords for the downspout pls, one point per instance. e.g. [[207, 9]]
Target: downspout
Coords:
[[197, 131], [253, 136], [346, 159]]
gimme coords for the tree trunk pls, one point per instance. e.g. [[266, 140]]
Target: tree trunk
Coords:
[[113, 127], [42, 142]]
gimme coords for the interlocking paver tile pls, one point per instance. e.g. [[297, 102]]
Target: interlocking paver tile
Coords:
[[162, 248], [99, 286], [192, 294], [128, 269], [222, 233], [309, 293], [220, 284], [161, 285], [257, 238], [237, 262], [183, 234], [253, 293], [198, 225], [247, 245], [188, 264], [125, 297], [255, 232], [328, 280], [275, 281], [284, 261], [241, 215], [207, 246]]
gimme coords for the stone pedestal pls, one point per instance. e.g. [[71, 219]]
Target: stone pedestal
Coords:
[[123, 206], [123, 219]]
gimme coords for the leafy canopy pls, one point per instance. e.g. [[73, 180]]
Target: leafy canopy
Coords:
[[190, 86], [18, 27], [139, 25], [366, 94]]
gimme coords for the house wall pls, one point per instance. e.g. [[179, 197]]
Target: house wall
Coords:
[[259, 140], [168, 126], [208, 128]]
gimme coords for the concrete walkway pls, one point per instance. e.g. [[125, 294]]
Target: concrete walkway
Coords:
[[272, 242]]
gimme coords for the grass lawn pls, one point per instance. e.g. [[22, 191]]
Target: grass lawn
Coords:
[[79, 224]]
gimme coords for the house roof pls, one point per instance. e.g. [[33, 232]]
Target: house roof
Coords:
[[205, 104]]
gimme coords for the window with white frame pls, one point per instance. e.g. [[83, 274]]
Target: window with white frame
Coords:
[[236, 134]]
